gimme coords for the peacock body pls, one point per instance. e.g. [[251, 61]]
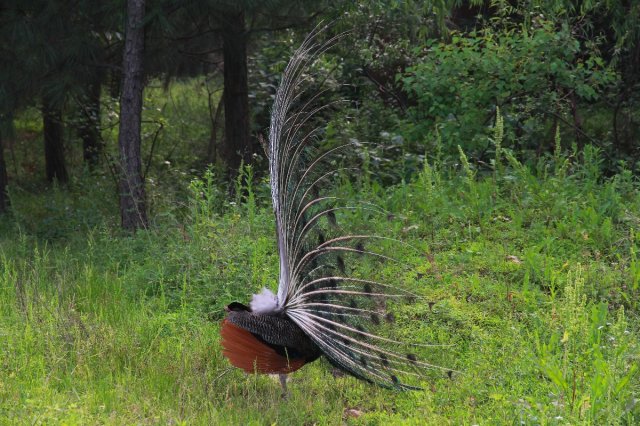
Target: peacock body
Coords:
[[326, 303]]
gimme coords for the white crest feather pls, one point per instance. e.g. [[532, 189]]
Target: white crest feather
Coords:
[[264, 302]]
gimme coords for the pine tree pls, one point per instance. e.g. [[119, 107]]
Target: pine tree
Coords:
[[132, 193]]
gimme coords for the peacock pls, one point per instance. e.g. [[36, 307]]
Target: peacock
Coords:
[[326, 304]]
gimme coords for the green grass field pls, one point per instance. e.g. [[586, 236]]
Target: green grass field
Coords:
[[533, 279]]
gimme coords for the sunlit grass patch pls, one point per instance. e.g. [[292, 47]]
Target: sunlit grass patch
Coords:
[[533, 291]]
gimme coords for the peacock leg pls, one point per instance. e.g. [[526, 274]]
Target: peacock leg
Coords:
[[283, 383]]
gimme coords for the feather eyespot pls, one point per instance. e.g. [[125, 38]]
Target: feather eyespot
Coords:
[[363, 361], [384, 360], [321, 239], [331, 216]]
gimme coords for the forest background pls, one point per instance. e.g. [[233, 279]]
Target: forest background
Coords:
[[135, 204]]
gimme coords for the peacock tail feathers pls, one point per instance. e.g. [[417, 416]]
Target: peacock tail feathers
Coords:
[[329, 283]]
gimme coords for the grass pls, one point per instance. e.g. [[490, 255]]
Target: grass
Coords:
[[532, 273]]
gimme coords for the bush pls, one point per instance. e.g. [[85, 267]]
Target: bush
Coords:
[[534, 74]]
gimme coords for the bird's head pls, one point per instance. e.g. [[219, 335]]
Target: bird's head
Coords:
[[237, 307]]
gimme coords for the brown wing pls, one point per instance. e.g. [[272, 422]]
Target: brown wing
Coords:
[[245, 351]]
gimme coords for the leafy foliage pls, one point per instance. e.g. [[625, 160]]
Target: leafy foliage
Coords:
[[533, 74]]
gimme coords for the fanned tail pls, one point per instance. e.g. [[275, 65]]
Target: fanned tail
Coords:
[[325, 284]]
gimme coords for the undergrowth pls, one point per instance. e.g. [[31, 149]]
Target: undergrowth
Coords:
[[531, 273]]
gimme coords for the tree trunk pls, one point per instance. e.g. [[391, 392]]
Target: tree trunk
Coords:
[[237, 143], [132, 195], [53, 144], [577, 120], [213, 139], [89, 130], [3, 180]]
